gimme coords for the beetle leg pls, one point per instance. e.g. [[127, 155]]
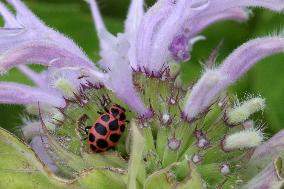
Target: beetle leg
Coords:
[[99, 112], [104, 102], [87, 129], [81, 121], [106, 110]]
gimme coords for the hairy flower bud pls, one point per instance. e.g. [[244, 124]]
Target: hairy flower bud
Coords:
[[240, 113], [248, 138]]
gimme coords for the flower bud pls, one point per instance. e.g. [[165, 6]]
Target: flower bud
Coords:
[[247, 138], [174, 70], [174, 143], [196, 158], [225, 169], [242, 112], [54, 119], [66, 87]]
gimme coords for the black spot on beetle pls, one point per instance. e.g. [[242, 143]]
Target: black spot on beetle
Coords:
[[114, 137], [114, 112], [100, 129], [105, 118], [91, 137], [102, 143], [122, 116], [113, 125], [122, 128]]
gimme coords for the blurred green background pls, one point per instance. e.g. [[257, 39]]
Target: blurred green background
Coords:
[[73, 18]]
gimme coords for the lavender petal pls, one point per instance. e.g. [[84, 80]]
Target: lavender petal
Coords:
[[269, 177], [13, 93], [32, 28], [150, 23], [269, 150], [120, 82], [40, 52], [132, 23], [236, 64], [38, 144], [197, 25], [10, 20]]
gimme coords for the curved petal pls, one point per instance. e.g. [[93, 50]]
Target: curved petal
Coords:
[[222, 5], [98, 21], [212, 83], [250, 53], [132, 23], [32, 28], [182, 44], [13, 93], [201, 97], [268, 178], [40, 52], [175, 20], [38, 144], [148, 27], [194, 10], [268, 151], [10, 20], [134, 16], [167, 19], [119, 73], [120, 81], [197, 25], [24, 15], [99, 25]]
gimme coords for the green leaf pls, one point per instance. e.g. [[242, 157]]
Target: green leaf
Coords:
[[193, 181], [159, 179], [21, 168], [165, 178], [162, 139], [170, 156], [135, 162], [103, 179]]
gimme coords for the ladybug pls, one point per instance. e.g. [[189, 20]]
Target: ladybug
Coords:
[[105, 133]]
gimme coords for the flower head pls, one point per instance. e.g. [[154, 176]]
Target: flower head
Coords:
[[180, 138]]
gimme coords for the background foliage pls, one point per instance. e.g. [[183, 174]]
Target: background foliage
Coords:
[[73, 18]]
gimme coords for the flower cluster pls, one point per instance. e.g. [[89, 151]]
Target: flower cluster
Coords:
[[195, 137]]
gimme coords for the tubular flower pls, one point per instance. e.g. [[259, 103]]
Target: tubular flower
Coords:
[[176, 138]]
